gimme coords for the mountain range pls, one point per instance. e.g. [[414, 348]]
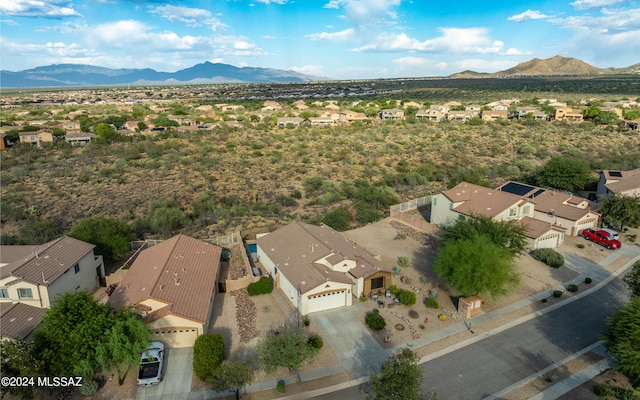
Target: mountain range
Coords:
[[78, 75]]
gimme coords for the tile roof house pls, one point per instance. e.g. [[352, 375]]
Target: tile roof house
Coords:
[[317, 268], [36, 138], [282, 122], [468, 199], [624, 183], [34, 275], [18, 320], [173, 286], [391, 114]]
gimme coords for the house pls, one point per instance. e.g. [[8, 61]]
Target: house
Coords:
[[322, 121], [34, 275], [36, 138], [561, 209], [466, 199], [432, 114], [623, 183], [391, 114], [567, 114], [460, 116], [531, 112], [172, 285], [18, 320], [317, 268], [494, 115], [282, 122], [349, 117], [70, 126], [80, 138]]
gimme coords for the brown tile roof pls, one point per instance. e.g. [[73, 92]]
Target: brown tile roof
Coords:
[[480, 200], [534, 228], [47, 262], [181, 272], [628, 180], [297, 248], [11, 253], [18, 320]]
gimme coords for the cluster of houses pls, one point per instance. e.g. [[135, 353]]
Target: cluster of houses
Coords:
[[173, 284], [328, 113]]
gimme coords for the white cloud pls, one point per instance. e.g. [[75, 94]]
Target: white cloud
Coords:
[[191, 16], [272, 1], [610, 20], [527, 15], [38, 8], [308, 69], [369, 14], [8, 22], [342, 36], [586, 4]]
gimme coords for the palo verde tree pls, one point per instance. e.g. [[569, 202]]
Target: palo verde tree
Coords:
[[564, 174], [232, 376], [621, 211], [509, 235], [623, 338], [289, 349], [400, 378]]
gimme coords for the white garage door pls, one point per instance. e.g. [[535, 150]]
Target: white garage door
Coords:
[[175, 336], [327, 301], [548, 242]]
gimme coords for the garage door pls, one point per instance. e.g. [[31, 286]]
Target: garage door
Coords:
[[327, 301], [548, 242], [176, 337]]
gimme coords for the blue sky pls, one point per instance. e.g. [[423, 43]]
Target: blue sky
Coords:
[[340, 39]]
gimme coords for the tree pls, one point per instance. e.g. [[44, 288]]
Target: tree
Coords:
[[123, 343], [18, 359], [564, 173], [70, 332], [622, 338], [110, 236], [621, 211], [400, 378], [39, 231], [289, 349], [338, 219], [107, 133], [632, 279], [208, 354], [476, 265], [232, 376], [509, 235]]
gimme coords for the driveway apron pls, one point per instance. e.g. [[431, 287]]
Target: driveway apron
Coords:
[[176, 381], [358, 352]]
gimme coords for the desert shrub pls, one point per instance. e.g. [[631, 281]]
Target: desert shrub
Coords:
[[572, 288], [208, 354], [338, 219], [413, 314], [400, 327], [432, 302], [588, 280], [403, 262], [315, 342], [580, 245], [374, 320], [394, 290], [557, 293], [262, 286], [89, 387], [550, 257], [442, 317], [280, 386], [408, 298]]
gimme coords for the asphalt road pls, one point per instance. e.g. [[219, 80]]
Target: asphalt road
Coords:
[[494, 363]]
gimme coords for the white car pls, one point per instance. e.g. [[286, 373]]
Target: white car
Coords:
[[612, 234], [150, 372]]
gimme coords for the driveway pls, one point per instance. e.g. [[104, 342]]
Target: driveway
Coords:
[[176, 381], [358, 352]]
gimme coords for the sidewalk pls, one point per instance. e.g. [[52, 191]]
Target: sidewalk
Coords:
[[310, 383]]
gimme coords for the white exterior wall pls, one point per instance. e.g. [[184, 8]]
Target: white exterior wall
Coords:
[[85, 279], [441, 212]]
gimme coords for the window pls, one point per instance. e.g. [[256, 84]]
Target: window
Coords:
[[76, 268], [377, 283], [526, 210], [25, 293], [435, 201], [4, 293], [512, 212]]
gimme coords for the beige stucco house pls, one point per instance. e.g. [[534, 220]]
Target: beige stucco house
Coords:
[[35, 275], [623, 183], [37, 138], [317, 268], [173, 286]]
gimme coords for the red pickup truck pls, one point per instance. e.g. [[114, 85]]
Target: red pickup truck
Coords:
[[601, 237]]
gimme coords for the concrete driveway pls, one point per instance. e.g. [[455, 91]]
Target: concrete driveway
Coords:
[[358, 352], [176, 381]]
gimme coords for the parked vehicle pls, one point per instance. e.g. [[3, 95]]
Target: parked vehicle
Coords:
[[150, 372], [600, 237], [612, 234]]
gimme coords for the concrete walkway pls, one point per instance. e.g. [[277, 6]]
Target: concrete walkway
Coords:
[[360, 355]]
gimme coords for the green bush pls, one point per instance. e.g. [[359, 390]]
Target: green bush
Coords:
[[588, 280], [374, 320], [550, 257], [408, 298], [280, 386], [208, 354], [89, 387], [572, 288], [338, 219], [557, 293], [432, 302], [395, 290], [262, 286], [580, 245], [315, 342]]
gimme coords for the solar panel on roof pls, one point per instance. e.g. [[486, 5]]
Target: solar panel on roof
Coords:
[[617, 174], [517, 188], [538, 192]]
